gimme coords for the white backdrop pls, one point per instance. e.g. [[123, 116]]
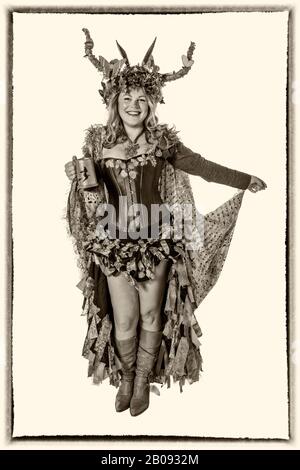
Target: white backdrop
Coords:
[[231, 109]]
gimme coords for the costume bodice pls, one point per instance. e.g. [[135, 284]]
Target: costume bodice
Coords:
[[131, 174]]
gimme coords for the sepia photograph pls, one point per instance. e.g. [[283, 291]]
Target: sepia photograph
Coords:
[[149, 192]]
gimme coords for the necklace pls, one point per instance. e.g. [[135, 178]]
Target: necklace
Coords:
[[132, 146], [131, 149]]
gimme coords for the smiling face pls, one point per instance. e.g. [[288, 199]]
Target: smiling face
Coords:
[[133, 107]]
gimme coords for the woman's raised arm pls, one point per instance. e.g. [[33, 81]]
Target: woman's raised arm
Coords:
[[193, 163]]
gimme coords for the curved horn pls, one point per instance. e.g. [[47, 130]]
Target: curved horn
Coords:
[[123, 53], [89, 44], [148, 53], [168, 77]]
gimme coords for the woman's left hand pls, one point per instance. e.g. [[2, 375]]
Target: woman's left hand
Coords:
[[256, 184]]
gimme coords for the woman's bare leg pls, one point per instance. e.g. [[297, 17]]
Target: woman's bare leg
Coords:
[[125, 303], [151, 294]]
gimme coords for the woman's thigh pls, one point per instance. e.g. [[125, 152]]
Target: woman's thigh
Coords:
[[151, 293], [125, 302]]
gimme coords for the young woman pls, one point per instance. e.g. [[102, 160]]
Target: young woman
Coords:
[[142, 281]]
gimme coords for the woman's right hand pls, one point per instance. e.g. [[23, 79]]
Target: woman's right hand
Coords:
[[70, 170]]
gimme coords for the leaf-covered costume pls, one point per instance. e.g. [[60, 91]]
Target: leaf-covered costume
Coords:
[[150, 172]]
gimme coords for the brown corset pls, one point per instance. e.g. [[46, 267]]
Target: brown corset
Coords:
[[133, 190]]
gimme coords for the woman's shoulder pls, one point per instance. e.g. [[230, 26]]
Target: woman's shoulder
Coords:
[[94, 132], [166, 136], [93, 139]]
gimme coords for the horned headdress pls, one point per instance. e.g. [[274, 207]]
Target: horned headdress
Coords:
[[120, 75]]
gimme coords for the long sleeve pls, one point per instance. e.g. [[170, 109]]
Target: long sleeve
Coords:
[[193, 163]]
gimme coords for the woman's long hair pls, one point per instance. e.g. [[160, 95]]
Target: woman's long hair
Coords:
[[115, 132]]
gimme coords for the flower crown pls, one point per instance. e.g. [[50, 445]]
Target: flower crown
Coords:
[[119, 75]]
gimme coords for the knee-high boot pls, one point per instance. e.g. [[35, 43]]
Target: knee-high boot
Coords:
[[126, 352], [149, 345]]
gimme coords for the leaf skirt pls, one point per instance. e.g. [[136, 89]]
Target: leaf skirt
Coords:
[[136, 259]]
